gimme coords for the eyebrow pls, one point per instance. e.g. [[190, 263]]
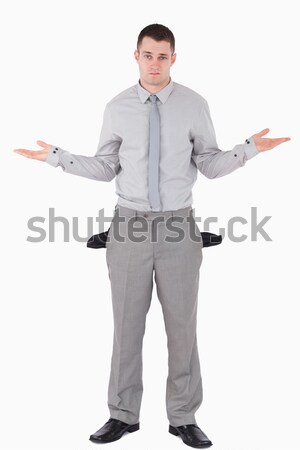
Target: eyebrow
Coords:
[[150, 53]]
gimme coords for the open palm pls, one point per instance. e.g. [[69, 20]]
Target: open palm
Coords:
[[264, 144], [41, 155]]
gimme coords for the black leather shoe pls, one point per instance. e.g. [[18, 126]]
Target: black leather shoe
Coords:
[[191, 435], [113, 430]]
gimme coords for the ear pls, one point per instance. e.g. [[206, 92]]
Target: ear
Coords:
[[173, 59], [136, 55]]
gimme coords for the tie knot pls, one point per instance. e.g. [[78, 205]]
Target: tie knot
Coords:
[[153, 98]]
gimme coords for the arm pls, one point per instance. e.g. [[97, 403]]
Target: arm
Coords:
[[209, 159], [104, 166]]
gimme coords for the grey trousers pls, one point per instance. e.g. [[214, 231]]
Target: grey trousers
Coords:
[[131, 264]]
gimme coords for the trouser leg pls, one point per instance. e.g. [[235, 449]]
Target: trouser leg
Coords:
[[177, 268], [130, 268]]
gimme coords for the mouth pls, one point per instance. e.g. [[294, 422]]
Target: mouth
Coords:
[[154, 73]]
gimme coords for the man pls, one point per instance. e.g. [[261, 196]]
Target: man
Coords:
[[155, 136]]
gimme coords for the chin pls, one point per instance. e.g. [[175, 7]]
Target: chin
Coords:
[[155, 80]]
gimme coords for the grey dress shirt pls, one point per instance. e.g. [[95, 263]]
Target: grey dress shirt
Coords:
[[188, 144]]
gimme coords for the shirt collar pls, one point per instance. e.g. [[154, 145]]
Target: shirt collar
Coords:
[[162, 95]]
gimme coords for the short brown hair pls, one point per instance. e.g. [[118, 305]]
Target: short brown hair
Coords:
[[157, 32]]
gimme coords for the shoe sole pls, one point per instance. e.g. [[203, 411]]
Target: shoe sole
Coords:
[[173, 431], [132, 429]]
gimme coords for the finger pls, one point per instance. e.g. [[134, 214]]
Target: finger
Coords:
[[20, 150], [28, 153], [263, 132], [277, 141], [24, 152], [42, 143]]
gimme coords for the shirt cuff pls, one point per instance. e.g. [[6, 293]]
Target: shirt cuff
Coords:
[[250, 148], [53, 156]]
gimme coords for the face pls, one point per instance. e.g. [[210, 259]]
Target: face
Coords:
[[155, 60]]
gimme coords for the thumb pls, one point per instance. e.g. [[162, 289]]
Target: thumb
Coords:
[[263, 132], [42, 144]]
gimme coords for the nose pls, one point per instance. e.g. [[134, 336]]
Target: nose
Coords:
[[155, 68]]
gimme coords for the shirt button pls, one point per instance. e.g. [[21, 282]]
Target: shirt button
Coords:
[[71, 162], [56, 148], [54, 151], [248, 142], [235, 155]]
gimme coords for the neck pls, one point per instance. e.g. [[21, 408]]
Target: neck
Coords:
[[154, 89]]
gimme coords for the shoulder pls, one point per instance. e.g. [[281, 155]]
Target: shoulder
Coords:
[[184, 92], [125, 95]]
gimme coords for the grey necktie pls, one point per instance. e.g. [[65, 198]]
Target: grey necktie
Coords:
[[154, 150]]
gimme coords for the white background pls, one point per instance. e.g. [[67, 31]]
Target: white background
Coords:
[[62, 61]]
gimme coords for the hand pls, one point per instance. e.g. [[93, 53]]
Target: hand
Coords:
[[41, 155], [263, 144]]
